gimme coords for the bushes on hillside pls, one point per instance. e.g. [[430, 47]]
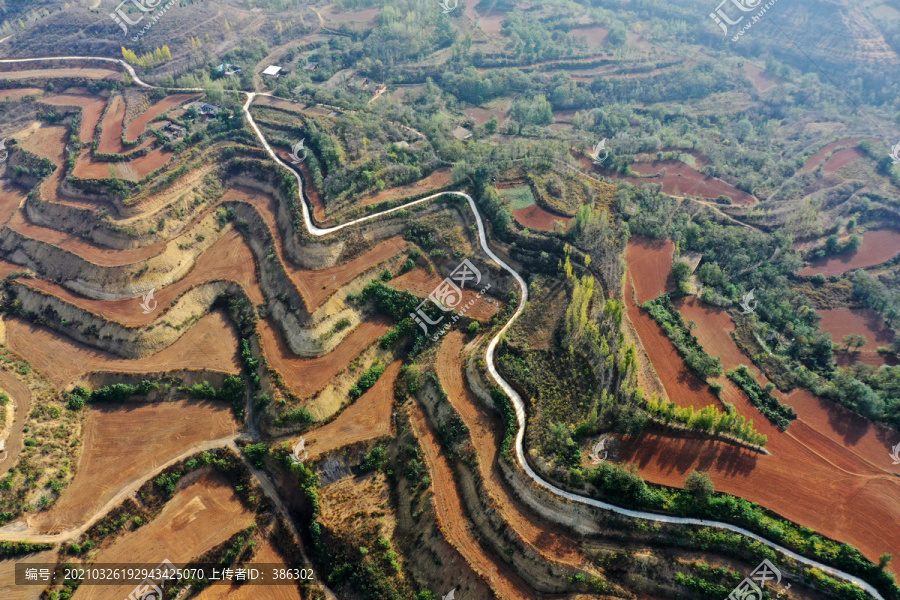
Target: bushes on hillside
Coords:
[[779, 414]]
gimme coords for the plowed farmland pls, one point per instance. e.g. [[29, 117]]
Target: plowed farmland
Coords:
[[877, 246], [124, 443], [816, 159], [817, 470], [136, 127], [535, 217], [841, 322], [8, 589], [210, 344], [307, 375], [199, 517], [91, 111], [367, 418], [267, 555]]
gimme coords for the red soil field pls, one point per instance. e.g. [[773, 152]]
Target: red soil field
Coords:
[[437, 180], [863, 321], [141, 166], [368, 418], [210, 344], [535, 217], [228, 259], [20, 398], [594, 35], [91, 111], [10, 199], [649, 266], [199, 517], [311, 193], [74, 73], [816, 159], [136, 127], [831, 471], [15, 94], [267, 555], [762, 80], [451, 515], [877, 246], [842, 158], [123, 443], [483, 115], [111, 129], [421, 283], [305, 376], [866, 322], [545, 538], [681, 179]]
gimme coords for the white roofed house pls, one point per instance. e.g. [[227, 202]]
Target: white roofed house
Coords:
[[272, 71]]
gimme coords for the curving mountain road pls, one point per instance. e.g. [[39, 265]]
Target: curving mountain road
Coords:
[[518, 403]]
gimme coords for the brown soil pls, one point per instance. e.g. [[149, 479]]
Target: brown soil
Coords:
[[842, 158], [762, 80], [681, 179], [483, 115], [9, 590], [73, 73], [452, 517], [650, 265], [20, 398], [545, 539], [198, 518], [535, 217], [136, 127], [366, 419], [91, 111], [422, 283], [330, 13], [878, 246], [816, 159], [111, 131], [142, 166], [125, 442], [311, 193], [210, 344], [594, 35], [830, 471], [840, 322], [305, 376], [15, 94], [228, 259], [437, 180], [265, 555]]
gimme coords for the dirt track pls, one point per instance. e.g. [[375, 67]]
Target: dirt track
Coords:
[[20, 400], [122, 442]]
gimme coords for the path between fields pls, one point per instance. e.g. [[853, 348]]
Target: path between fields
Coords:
[[517, 400]]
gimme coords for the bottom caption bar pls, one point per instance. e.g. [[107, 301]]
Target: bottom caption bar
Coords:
[[158, 577]]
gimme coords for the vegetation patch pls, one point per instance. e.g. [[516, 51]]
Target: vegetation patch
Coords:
[[779, 414]]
